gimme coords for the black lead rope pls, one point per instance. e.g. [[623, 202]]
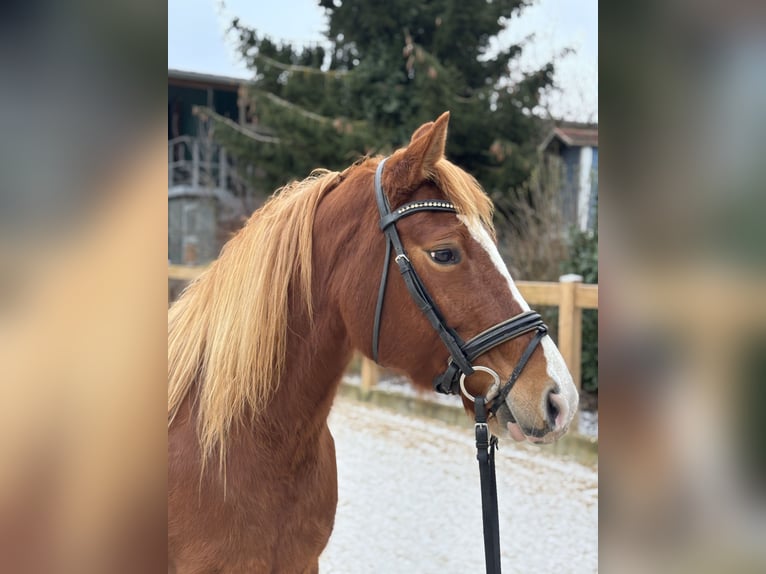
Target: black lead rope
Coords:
[[486, 443], [485, 454]]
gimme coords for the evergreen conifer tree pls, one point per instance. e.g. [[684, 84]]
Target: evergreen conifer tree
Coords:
[[386, 68]]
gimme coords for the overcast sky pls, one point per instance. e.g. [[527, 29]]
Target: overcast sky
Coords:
[[197, 41]]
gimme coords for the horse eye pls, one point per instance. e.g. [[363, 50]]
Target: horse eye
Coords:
[[445, 256]]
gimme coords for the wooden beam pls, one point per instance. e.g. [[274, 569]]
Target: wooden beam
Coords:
[[534, 292], [567, 315], [185, 272], [370, 375], [576, 367], [540, 292], [586, 296]]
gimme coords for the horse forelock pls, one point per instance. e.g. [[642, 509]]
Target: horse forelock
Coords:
[[458, 186], [227, 332], [464, 192]]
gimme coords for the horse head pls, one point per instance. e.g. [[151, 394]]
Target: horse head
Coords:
[[454, 254]]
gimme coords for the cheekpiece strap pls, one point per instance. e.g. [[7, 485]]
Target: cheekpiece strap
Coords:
[[415, 286]]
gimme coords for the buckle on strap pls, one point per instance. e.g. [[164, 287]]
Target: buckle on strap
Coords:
[[481, 428], [482, 435]]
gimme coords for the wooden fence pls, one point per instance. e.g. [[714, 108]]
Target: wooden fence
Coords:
[[569, 294]]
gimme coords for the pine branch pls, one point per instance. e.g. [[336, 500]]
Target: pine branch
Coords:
[[296, 108], [297, 68], [203, 111], [337, 122]]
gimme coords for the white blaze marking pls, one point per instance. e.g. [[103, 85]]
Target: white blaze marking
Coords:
[[555, 365], [480, 234]]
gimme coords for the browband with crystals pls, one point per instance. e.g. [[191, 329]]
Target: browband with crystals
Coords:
[[415, 207]]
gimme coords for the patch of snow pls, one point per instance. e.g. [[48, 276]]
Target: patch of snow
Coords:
[[588, 424], [409, 500]]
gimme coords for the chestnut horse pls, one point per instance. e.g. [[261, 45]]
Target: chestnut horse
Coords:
[[257, 346]]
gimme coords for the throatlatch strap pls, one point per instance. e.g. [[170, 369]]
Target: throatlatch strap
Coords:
[[383, 206], [485, 454], [379, 305]]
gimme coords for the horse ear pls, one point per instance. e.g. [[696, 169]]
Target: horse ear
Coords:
[[417, 160], [427, 145], [421, 131]]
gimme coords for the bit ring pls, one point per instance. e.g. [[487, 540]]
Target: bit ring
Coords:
[[487, 370]]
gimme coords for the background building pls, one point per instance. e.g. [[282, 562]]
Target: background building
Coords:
[[206, 199], [577, 146]]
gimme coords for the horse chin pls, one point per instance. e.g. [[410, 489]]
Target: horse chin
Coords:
[[505, 425]]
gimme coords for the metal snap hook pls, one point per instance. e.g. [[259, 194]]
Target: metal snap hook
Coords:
[[487, 370]]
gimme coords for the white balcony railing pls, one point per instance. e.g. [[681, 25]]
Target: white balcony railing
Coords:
[[197, 163]]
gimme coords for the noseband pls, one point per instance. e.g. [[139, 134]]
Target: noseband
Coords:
[[462, 353]]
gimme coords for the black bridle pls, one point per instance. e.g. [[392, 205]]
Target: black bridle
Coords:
[[462, 353]]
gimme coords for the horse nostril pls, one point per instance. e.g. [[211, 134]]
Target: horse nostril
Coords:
[[556, 409], [553, 410]]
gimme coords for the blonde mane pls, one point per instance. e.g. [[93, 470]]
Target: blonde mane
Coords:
[[237, 357]]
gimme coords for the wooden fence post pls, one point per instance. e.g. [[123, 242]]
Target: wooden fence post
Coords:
[[570, 325], [369, 376]]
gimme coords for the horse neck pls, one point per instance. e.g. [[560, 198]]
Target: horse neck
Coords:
[[319, 348], [318, 352]]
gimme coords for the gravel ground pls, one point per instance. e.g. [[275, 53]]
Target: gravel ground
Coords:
[[409, 501]]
